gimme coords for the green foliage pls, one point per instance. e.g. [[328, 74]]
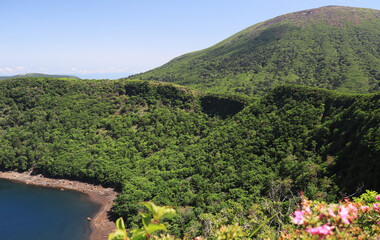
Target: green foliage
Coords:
[[229, 232], [150, 223], [156, 213], [120, 233], [330, 47], [367, 198], [159, 142], [221, 106]]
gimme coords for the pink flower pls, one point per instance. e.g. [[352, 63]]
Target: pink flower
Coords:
[[343, 212], [353, 210], [308, 210], [298, 217], [331, 212], [321, 230], [376, 207], [364, 208], [378, 223], [377, 197]]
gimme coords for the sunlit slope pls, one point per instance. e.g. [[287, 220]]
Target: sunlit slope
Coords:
[[330, 47]]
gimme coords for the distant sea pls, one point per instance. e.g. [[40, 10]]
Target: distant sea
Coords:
[[35, 213]]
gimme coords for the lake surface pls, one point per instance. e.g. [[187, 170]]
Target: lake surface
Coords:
[[35, 213]]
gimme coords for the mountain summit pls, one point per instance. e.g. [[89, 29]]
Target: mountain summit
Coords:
[[329, 47]]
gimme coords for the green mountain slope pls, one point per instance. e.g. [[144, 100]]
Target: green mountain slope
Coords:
[[166, 143], [330, 47], [39, 75]]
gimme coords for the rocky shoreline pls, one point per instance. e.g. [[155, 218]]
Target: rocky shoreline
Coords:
[[100, 225]]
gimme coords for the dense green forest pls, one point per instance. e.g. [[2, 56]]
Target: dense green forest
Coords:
[[331, 47], [201, 152]]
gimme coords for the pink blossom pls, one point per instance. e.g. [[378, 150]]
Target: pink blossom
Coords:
[[364, 208], [376, 207], [298, 217], [331, 212], [308, 210], [378, 223], [353, 210], [377, 197], [321, 230], [343, 212]]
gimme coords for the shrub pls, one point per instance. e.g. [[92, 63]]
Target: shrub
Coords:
[[345, 220]]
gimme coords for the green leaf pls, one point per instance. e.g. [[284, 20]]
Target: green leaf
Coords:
[[165, 211], [120, 224], [150, 206], [158, 212], [155, 227], [138, 234], [146, 218], [265, 222], [118, 235]]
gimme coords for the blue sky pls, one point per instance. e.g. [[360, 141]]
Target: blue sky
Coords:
[[101, 38]]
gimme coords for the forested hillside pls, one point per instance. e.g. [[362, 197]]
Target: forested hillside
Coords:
[[330, 47], [169, 144]]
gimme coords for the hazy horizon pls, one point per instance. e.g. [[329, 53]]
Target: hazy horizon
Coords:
[[84, 76]]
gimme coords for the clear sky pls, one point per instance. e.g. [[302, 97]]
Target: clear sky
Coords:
[[117, 37]]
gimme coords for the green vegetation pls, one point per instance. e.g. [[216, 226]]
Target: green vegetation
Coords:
[[315, 220], [331, 47], [164, 143], [150, 222]]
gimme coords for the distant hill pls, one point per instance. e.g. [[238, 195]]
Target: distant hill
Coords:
[[329, 47], [39, 75]]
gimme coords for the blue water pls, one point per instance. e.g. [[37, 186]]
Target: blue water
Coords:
[[35, 213]]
